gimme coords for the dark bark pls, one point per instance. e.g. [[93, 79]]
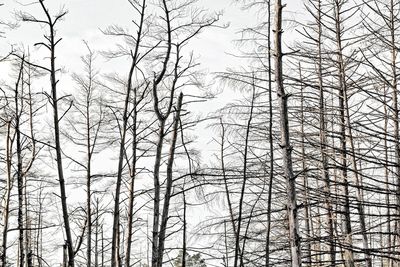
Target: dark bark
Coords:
[[169, 186], [115, 262], [271, 142]]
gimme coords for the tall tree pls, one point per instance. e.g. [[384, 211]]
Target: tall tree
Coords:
[[50, 43], [294, 237], [115, 257]]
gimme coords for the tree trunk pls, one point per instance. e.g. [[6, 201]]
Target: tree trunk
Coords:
[[305, 176], [116, 216], [271, 143], [168, 190], [395, 108], [96, 246], [20, 179], [6, 210], [56, 120], [387, 200], [345, 120], [88, 181], [323, 143], [184, 245], [294, 238], [157, 196], [155, 249], [242, 191], [347, 229], [132, 184], [115, 240]]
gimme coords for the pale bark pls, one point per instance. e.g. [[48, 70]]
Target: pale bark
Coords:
[[6, 211], [294, 238], [346, 122], [395, 108], [307, 210], [347, 228], [323, 145]]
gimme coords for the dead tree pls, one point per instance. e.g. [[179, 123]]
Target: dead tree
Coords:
[[169, 185], [294, 237], [50, 43], [173, 72], [115, 257], [270, 140], [9, 185], [20, 180], [88, 119], [346, 125]]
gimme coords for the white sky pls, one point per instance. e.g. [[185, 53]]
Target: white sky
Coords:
[[85, 18]]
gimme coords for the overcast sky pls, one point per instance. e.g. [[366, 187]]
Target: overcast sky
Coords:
[[86, 17]]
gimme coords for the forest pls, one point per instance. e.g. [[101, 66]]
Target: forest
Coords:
[[127, 148]]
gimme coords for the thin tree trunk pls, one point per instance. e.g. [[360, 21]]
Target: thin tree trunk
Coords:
[[227, 192], [115, 262], [65, 255], [131, 185], [262, 191], [360, 203], [388, 212], [96, 246], [39, 236], [27, 237], [128, 244], [155, 246], [6, 210], [28, 233], [56, 120], [395, 108], [184, 245], [228, 197], [88, 181], [336, 188], [305, 176], [102, 245], [157, 196], [323, 143], [20, 179], [348, 251], [226, 256], [115, 257], [294, 238], [242, 191], [345, 113], [271, 143], [168, 190]]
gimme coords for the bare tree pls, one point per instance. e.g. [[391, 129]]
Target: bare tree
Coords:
[[115, 257], [285, 142], [50, 43]]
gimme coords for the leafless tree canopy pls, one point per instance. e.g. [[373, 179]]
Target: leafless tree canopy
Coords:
[[135, 154]]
